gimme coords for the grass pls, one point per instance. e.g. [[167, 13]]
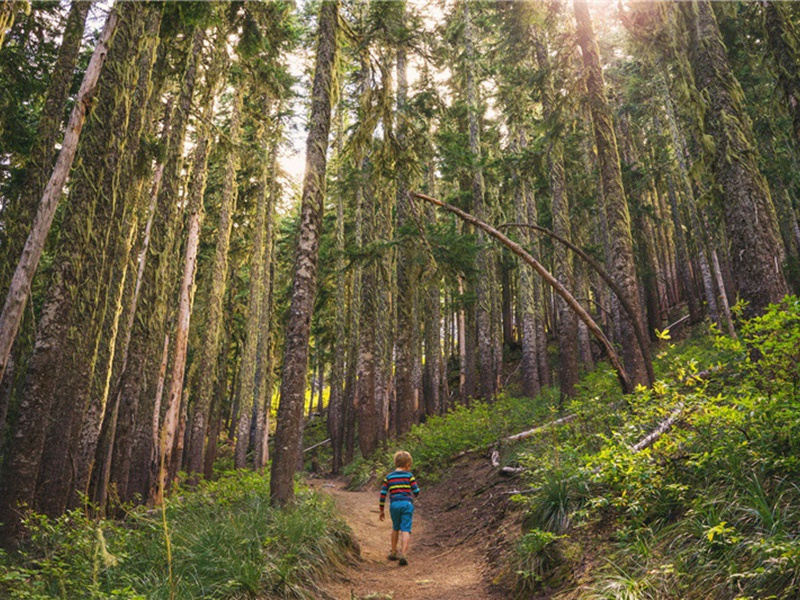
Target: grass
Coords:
[[227, 542]]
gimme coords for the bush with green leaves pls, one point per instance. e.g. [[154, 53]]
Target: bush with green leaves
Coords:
[[711, 509], [226, 541]]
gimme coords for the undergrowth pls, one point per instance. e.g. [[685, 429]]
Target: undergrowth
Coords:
[[710, 510], [226, 542]]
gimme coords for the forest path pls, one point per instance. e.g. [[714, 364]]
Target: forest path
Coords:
[[442, 563]]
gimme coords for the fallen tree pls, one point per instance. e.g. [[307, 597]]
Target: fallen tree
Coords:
[[622, 375], [638, 330]]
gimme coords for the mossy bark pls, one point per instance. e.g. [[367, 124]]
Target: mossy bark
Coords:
[[756, 250], [615, 202], [405, 355], [290, 411], [567, 323], [19, 214], [135, 451]]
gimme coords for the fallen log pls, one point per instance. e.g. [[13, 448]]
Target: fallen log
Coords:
[[526, 434], [322, 443], [662, 428]]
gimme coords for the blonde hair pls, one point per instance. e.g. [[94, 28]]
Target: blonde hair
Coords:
[[402, 459]]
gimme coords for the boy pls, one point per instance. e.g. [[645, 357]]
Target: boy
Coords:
[[400, 485]]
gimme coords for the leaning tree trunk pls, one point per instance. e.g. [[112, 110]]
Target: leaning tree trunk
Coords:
[[26, 267], [295, 365], [209, 352], [624, 379], [171, 442], [615, 203], [43, 152], [756, 249]]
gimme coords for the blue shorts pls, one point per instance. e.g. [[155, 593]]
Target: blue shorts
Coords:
[[402, 511]]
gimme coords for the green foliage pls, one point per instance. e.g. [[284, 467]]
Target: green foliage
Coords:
[[711, 508], [472, 428], [538, 555], [227, 542]]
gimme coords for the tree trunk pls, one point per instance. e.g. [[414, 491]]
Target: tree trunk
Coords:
[[567, 329], [26, 267], [209, 351], [171, 439], [336, 400], [93, 410], [368, 360], [701, 239], [290, 410], [783, 43], [406, 284], [43, 153], [529, 365], [141, 395], [266, 350], [750, 220], [482, 291], [615, 204]]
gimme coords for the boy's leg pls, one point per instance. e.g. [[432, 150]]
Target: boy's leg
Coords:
[[405, 540], [395, 536]]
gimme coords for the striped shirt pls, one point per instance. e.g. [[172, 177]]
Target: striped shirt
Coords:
[[399, 485]]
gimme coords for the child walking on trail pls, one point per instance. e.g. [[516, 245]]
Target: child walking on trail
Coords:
[[402, 488]]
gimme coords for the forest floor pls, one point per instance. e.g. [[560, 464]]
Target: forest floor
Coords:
[[460, 522]]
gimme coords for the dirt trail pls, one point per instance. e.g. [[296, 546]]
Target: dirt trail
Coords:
[[444, 561]]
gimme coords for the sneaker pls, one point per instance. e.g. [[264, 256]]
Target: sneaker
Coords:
[[392, 556], [403, 560]]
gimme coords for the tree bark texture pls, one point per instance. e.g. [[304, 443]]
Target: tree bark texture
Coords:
[[140, 384], [209, 352], [293, 384], [20, 285], [171, 442], [567, 327], [783, 42], [406, 284], [751, 225], [482, 291], [615, 203], [336, 399], [526, 299]]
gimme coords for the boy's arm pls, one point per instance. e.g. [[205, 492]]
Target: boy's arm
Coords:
[[414, 486], [384, 491]]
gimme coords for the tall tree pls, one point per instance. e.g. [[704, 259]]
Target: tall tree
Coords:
[[614, 200], [756, 249], [20, 286], [295, 365], [209, 353], [483, 300]]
